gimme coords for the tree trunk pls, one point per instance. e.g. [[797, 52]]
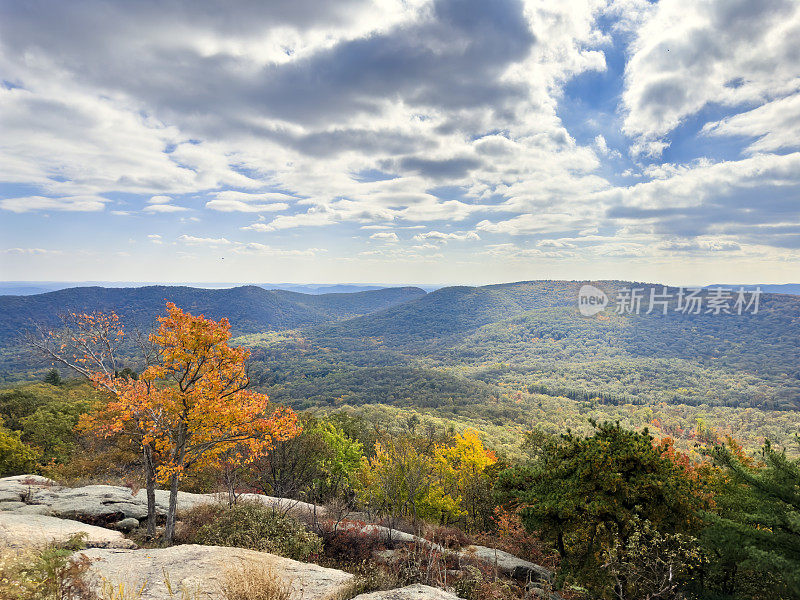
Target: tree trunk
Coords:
[[169, 529], [150, 476]]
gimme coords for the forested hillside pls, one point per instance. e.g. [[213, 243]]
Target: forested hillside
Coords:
[[456, 344], [473, 346], [250, 309]]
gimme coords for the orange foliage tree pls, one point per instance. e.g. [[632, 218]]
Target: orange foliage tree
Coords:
[[188, 407]]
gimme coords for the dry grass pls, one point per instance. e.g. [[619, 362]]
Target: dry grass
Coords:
[[50, 573], [120, 591], [254, 581]]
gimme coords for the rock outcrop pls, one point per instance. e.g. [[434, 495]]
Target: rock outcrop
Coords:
[[36, 500], [411, 592], [200, 570], [18, 531], [109, 504], [506, 563]]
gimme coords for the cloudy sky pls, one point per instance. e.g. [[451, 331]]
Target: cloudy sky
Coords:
[[409, 141]]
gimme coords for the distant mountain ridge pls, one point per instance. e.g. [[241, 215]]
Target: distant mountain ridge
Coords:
[[250, 309], [29, 288], [770, 288]]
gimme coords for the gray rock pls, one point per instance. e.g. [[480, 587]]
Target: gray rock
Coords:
[[296, 508], [387, 556], [30, 480], [200, 571], [34, 509], [509, 564], [110, 503], [91, 502], [126, 525], [10, 496], [410, 592], [506, 563], [11, 505], [22, 531], [20, 487]]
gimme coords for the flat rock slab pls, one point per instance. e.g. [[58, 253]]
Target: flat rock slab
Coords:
[[22, 531], [411, 592], [200, 570], [506, 563], [106, 504], [509, 564]]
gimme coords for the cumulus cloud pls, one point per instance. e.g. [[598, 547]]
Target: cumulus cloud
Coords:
[[30, 251], [688, 56], [164, 208], [244, 247], [233, 201], [386, 236], [68, 203], [438, 236], [774, 125], [536, 223], [201, 241], [452, 116]]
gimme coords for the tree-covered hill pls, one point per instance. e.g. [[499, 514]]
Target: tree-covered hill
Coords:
[[530, 337], [471, 346], [250, 309]]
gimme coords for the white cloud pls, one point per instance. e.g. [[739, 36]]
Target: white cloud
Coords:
[[233, 201], [386, 236], [68, 203], [393, 114], [245, 247], [687, 56], [262, 249], [201, 241], [438, 236], [164, 208], [776, 125], [31, 251], [536, 223]]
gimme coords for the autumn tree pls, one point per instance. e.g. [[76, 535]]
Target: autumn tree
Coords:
[[396, 481], [189, 406], [461, 472], [315, 466], [416, 478]]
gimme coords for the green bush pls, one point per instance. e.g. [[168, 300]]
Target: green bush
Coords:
[[251, 525], [16, 457]]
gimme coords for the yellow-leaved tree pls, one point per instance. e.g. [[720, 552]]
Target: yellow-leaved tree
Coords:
[[445, 483]]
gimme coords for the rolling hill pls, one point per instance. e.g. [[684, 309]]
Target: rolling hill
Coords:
[[250, 309], [472, 347], [529, 337]]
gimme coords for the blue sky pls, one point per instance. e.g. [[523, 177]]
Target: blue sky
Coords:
[[444, 141]]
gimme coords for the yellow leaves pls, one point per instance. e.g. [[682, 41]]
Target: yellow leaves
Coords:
[[401, 479], [466, 453]]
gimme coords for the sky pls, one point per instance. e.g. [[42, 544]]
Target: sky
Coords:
[[400, 141]]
